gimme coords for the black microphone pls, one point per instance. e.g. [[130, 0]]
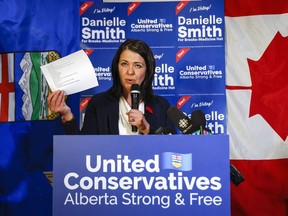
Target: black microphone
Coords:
[[235, 176], [164, 131], [135, 93], [199, 122], [182, 122]]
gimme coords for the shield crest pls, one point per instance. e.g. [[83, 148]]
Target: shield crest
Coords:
[[176, 160]]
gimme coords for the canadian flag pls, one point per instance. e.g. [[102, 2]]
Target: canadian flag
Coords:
[[257, 104]]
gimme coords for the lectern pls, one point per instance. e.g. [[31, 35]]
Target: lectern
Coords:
[[161, 175]]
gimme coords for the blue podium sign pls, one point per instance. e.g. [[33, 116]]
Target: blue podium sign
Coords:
[[109, 175]]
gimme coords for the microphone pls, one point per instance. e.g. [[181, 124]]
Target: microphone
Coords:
[[182, 122], [164, 131], [235, 176], [135, 93], [199, 122]]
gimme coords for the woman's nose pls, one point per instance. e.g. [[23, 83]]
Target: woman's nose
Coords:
[[130, 70]]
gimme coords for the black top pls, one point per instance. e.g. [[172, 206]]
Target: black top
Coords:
[[102, 115]]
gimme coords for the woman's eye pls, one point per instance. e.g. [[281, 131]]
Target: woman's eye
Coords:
[[138, 66], [123, 64]]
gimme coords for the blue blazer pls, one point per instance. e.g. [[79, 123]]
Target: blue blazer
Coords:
[[102, 115]]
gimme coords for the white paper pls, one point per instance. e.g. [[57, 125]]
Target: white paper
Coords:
[[73, 73]]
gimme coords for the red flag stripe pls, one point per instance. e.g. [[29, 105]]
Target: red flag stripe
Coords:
[[5, 89], [255, 7], [264, 191]]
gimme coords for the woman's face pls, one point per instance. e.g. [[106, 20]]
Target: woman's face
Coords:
[[132, 69]]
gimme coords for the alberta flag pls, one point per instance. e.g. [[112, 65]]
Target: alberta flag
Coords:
[[23, 88], [257, 98], [176, 161], [32, 33]]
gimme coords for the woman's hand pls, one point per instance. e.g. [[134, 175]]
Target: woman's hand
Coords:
[[137, 118], [57, 104]]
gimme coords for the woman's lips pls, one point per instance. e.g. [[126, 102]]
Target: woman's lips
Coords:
[[130, 81]]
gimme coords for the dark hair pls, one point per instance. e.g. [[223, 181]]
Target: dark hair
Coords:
[[145, 52]]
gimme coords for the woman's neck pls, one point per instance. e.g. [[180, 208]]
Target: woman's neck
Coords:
[[127, 97]]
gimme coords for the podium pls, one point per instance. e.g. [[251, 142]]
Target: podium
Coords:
[[161, 175]]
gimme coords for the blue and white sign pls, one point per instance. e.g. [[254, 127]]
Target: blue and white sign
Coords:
[[141, 175]]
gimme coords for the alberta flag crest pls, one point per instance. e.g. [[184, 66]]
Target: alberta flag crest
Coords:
[[177, 161]]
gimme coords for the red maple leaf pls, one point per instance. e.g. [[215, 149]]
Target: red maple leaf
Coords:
[[269, 77]]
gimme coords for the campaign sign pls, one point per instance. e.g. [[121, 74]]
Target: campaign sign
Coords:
[[109, 175], [164, 82], [201, 24], [102, 25], [210, 105], [201, 71], [149, 22]]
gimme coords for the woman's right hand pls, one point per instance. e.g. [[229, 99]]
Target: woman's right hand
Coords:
[[56, 103]]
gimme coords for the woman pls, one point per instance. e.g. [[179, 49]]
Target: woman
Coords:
[[110, 112]]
